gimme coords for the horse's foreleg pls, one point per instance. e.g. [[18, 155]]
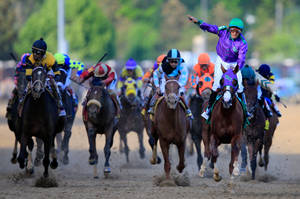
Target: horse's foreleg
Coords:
[[141, 141], [244, 154], [93, 159], [165, 151], [109, 136], [181, 150], [29, 167], [23, 152], [197, 142], [121, 144], [235, 150], [39, 152], [123, 138], [214, 156], [46, 160], [155, 159], [266, 153], [54, 162], [66, 140], [15, 152], [58, 139]]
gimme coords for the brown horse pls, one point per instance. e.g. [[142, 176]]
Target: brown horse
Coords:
[[226, 125], [170, 125], [254, 133], [267, 142], [99, 118]]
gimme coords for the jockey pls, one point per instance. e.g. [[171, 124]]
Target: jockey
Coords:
[[264, 96], [203, 67], [63, 63], [231, 49], [103, 73], [148, 78], [19, 68], [77, 65], [171, 66], [40, 57], [134, 71]]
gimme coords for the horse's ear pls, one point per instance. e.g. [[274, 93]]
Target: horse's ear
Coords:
[[223, 69], [236, 69]]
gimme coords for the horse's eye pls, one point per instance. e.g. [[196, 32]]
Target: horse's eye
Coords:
[[234, 82]]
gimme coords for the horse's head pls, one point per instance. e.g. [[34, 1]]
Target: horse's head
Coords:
[[130, 91], [251, 95], [172, 95], [205, 94], [229, 85], [21, 83], [94, 102], [38, 81]]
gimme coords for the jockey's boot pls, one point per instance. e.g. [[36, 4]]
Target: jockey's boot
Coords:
[[212, 99], [146, 101], [188, 111], [10, 103], [152, 104], [276, 110], [266, 108], [243, 98], [116, 102]]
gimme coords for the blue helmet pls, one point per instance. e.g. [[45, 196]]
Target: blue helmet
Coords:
[[173, 54], [264, 70]]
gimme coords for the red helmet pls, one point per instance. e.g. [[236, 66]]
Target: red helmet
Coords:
[[101, 70]]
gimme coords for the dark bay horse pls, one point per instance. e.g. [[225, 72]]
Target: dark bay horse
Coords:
[[131, 118], [98, 117], [254, 133], [267, 142], [40, 118], [226, 125], [170, 125], [15, 120], [196, 106], [67, 99], [148, 92]]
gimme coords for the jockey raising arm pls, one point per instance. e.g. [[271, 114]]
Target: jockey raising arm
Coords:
[[231, 49], [171, 66], [103, 74], [149, 74]]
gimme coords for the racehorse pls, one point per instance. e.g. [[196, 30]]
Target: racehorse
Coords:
[[39, 118], [226, 125], [196, 106], [14, 120], [67, 99], [267, 142], [170, 125], [98, 117], [131, 118], [254, 132], [148, 92]]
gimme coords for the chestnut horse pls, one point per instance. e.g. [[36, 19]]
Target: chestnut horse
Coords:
[[170, 125], [226, 125]]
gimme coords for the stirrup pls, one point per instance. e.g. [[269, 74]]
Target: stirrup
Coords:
[[62, 113], [189, 114], [143, 112], [206, 114]]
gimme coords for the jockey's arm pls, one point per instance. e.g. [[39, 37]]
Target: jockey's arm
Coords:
[[209, 28], [109, 79], [139, 76], [242, 55], [86, 74]]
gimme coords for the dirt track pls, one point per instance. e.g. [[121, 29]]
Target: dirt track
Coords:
[[136, 179]]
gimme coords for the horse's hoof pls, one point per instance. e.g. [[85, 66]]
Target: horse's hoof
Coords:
[[158, 161], [243, 171], [261, 163], [46, 175], [13, 160], [65, 160], [142, 155], [153, 161], [236, 172], [21, 163], [201, 173], [37, 162], [54, 164], [107, 170], [180, 168], [217, 177], [30, 171]]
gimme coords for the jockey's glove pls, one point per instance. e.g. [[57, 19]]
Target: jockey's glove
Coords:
[[277, 98]]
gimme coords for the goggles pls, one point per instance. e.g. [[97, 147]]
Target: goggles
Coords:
[[38, 51], [173, 61], [236, 30]]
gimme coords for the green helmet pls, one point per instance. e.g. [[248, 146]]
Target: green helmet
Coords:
[[236, 22], [60, 58]]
